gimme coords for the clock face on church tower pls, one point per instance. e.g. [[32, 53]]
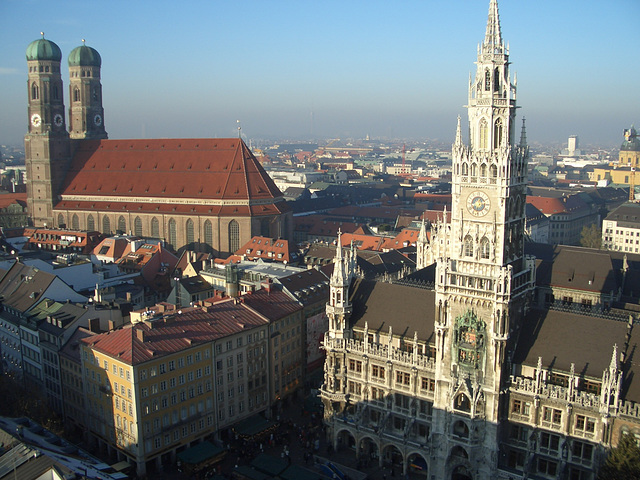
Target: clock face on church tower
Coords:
[[478, 204]]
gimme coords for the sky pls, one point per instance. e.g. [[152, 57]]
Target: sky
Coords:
[[332, 68]]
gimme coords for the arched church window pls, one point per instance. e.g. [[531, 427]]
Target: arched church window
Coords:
[[61, 221], [496, 80], [494, 173], [122, 225], [497, 133], [208, 233], [484, 134], [190, 232], [106, 225], [35, 91], [465, 169], [485, 248], [56, 93], [155, 228], [487, 80], [137, 227], [483, 170], [468, 246], [91, 223], [172, 233], [234, 236], [75, 222], [474, 171], [76, 94]]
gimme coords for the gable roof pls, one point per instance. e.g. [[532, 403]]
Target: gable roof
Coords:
[[149, 175]]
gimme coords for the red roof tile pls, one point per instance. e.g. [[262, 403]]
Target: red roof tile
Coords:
[[124, 174]]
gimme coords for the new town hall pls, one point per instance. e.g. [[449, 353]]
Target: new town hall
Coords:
[[477, 376]]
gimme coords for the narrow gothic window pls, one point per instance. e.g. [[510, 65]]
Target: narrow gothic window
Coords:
[[474, 170], [122, 225], [61, 221], [56, 94], [485, 248], [75, 223], [487, 80], [76, 95], [35, 92], [497, 133], [91, 223], [494, 173], [484, 134], [234, 236], [496, 80], [465, 169], [155, 228], [468, 246], [483, 170], [137, 227], [172, 233], [190, 233], [208, 233], [106, 225]]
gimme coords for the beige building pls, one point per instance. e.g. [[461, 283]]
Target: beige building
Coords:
[[621, 229]]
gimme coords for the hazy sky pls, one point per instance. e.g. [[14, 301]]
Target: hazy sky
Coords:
[[290, 69]]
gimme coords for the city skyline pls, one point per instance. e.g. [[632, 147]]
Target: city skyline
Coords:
[[295, 70]]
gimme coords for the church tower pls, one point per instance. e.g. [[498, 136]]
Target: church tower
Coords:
[[339, 306], [483, 279], [47, 146], [86, 114]]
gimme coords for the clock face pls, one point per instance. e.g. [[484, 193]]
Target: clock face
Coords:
[[478, 204], [97, 120], [36, 120], [57, 119]]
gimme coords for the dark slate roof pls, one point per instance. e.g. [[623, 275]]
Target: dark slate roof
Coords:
[[627, 215], [562, 338], [578, 268], [377, 304]]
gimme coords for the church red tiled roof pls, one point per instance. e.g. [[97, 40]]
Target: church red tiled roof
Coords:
[[162, 175]]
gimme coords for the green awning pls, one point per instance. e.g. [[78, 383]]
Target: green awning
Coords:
[[200, 453], [254, 425], [269, 464]]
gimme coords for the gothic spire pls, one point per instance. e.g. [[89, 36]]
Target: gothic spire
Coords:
[[339, 276], [458, 142], [523, 134], [493, 37]]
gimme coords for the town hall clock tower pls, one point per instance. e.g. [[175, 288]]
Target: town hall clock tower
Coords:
[[483, 278]]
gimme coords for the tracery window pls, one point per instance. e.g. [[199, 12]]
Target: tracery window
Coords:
[[468, 246], [75, 222], [487, 80], [122, 224], [190, 232], [485, 248], [208, 233], [76, 94], [91, 223], [155, 228], [172, 233], [60, 220], [234, 236], [106, 225], [137, 227], [35, 91]]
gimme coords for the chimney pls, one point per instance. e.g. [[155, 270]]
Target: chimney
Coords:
[[94, 325]]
